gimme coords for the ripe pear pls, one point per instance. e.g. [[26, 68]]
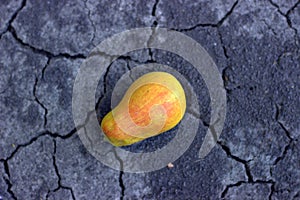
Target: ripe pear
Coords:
[[153, 104]]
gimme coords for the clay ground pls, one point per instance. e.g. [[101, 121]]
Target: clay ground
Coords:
[[255, 45]]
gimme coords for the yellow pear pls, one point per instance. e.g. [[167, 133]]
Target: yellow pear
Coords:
[[153, 104]]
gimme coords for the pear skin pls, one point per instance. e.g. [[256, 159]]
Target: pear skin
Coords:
[[153, 104]]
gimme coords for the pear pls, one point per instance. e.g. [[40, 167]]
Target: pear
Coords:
[[153, 104]]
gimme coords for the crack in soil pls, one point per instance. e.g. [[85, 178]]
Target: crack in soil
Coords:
[[39, 102], [7, 179], [9, 186], [218, 24], [244, 162], [5, 161], [91, 21], [10, 21], [46, 53], [12, 30], [45, 67], [60, 185], [239, 183], [44, 133], [287, 17], [154, 25], [287, 133], [223, 72], [272, 191], [121, 183]]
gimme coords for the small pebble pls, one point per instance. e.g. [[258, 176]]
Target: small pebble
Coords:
[[170, 165]]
